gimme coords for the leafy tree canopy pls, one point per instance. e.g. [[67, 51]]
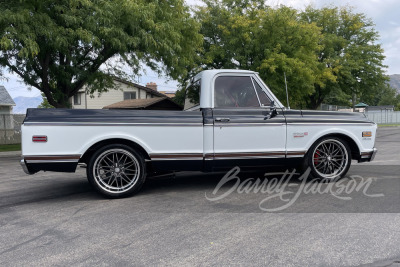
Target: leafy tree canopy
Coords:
[[269, 41], [327, 54], [350, 48], [60, 46]]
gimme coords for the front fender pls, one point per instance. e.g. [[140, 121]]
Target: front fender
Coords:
[[301, 138]]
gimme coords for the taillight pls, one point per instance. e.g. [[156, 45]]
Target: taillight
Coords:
[[39, 138]]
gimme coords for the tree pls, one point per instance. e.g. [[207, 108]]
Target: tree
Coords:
[[180, 97], [350, 50], [385, 96], [45, 103], [249, 35], [60, 46]]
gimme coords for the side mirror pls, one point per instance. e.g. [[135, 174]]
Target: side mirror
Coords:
[[272, 113]]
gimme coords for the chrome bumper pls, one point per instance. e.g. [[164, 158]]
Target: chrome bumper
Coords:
[[24, 167], [368, 156], [373, 154]]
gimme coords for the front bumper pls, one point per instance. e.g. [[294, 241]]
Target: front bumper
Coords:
[[368, 156]]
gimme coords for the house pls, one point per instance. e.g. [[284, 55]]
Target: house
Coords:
[[6, 102], [125, 90], [6, 122], [155, 103], [170, 94]]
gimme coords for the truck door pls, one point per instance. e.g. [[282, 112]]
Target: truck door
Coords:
[[244, 132]]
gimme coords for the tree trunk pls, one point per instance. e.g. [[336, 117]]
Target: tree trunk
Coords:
[[353, 101]]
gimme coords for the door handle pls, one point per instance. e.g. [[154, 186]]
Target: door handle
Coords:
[[222, 119]]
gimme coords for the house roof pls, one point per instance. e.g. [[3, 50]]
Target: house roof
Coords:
[[5, 98], [149, 90], [138, 103]]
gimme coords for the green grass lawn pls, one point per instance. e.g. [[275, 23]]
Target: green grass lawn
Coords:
[[16, 147], [388, 125]]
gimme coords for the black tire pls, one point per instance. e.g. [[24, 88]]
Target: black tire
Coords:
[[329, 159], [116, 171]]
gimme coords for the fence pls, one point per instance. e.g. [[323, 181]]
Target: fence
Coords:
[[327, 107], [384, 117], [10, 128]]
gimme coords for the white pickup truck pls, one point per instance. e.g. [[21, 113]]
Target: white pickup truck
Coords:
[[231, 118]]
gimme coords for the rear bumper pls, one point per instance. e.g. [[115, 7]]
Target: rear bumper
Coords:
[[24, 167], [63, 163], [368, 156]]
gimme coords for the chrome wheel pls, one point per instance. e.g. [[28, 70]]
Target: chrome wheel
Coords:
[[330, 159], [116, 170]]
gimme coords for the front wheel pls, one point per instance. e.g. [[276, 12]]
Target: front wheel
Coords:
[[329, 158], [116, 171]]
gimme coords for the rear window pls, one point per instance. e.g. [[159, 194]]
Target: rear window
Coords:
[[192, 98]]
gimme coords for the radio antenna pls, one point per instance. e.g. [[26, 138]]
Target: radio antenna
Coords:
[[287, 95]]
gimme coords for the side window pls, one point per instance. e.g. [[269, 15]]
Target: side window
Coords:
[[231, 92], [264, 99]]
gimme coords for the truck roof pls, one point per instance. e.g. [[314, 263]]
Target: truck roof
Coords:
[[208, 74]]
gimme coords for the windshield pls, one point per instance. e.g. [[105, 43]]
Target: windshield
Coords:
[[192, 98]]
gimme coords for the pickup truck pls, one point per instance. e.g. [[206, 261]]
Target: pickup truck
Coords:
[[230, 118]]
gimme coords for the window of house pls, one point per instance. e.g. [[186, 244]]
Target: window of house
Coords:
[[264, 99], [129, 95], [231, 92], [77, 99]]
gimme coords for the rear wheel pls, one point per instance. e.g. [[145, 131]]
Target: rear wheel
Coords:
[[329, 158], [116, 171]]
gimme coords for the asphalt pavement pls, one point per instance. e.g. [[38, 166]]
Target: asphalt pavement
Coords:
[[57, 219]]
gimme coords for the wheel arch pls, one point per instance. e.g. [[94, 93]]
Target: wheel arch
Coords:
[[355, 150], [121, 141]]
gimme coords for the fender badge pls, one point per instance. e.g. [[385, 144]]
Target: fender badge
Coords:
[[295, 135]]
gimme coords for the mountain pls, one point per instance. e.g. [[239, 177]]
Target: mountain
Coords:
[[395, 82], [23, 102]]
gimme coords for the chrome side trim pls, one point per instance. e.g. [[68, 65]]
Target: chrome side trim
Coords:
[[235, 124], [176, 156], [52, 158], [245, 124], [250, 155], [110, 124], [52, 161], [295, 154], [330, 123], [224, 156]]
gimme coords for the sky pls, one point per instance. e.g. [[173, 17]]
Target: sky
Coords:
[[384, 13]]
